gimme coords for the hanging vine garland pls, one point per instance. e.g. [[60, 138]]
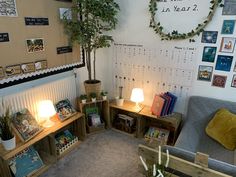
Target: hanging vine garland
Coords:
[[175, 35]]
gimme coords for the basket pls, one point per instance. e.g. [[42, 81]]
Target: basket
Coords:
[[94, 87]]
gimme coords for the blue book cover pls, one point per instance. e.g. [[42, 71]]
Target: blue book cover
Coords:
[[173, 101], [25, 163]]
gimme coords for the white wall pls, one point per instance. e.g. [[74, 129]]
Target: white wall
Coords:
[[133, 28]]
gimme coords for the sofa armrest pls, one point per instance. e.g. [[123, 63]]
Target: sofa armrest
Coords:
[[217, 165]]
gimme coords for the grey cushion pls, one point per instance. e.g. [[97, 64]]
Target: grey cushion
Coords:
[[193, 137]]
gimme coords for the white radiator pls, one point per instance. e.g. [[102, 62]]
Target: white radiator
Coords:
[[55, 91]]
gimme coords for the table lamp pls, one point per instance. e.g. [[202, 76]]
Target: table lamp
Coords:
[[137, 97], [46, 111]]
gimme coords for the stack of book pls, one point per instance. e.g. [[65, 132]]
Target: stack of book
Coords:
[[163, 104], [64, 140], [25, 163], [125, 123], [160, 136]]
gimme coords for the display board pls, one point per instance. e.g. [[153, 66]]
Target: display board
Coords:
[[32, 39]]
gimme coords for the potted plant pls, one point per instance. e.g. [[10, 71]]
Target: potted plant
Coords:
[[104, 95], [90, 20], [93, 96], [120, 99], [83, 98], [7, 136]]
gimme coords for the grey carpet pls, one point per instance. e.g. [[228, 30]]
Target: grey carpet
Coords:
[[105, 154]]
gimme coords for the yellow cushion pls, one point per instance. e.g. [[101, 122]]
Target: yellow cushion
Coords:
[[222, 128]]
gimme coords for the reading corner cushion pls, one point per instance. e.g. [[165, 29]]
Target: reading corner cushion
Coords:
[[222, 128]]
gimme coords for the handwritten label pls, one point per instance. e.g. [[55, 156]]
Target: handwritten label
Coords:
[[65, 49], [4, 37], [179, 8], [30, 21]]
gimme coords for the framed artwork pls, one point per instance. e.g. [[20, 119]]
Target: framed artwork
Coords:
[[205, 73], [209, 36], [229, 7], [28, 67], [8, 8], [41, 64], [228, 27], [224, 63], [227, 44], [219, 81], [209, 54], [13, 70], [35, 45], [233, 84], [234, 67]]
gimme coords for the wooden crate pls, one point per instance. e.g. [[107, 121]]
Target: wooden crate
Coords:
[[92, 129]]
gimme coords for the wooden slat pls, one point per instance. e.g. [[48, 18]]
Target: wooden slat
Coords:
[[178, 164], [127, 106]]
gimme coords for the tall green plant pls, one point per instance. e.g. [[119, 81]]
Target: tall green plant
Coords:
[[5, 126], [91, 19]]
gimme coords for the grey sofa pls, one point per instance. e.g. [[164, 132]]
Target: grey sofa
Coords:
[[193, 138]]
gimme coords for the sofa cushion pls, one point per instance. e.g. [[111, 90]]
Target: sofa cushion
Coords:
[[222, 128]]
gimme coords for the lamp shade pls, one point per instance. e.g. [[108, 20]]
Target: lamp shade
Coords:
[[137, 95], [46, 109]]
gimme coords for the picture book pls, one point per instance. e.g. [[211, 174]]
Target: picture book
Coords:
[[94, 119], [25, 125], [63, 138], [64, 109], [25, 163], [173, 101], [157, 133], [157, 105]]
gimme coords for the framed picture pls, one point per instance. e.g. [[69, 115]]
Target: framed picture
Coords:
[[234, 67], [209, 36], [229, 7], [219, 81], [227, 44], [205, 73], [224, 63], [41, 64], [209, 54], [13, 70], [1, 73], [28, 67], [228, 27], [233, 84], [35, 45]]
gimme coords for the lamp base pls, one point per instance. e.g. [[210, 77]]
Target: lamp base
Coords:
[[48, 123], [137, 107]]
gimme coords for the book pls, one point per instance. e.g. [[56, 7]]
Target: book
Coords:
[[25, 125], [157, 105], [166, 104], [64, 109], [173, 101], [159, 134], [63, 138], [26, 163], [94, 119]]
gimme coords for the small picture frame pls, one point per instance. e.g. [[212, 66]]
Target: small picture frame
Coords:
[[2, 74], [228, 27], [224, 63], [227, 44], [209, 54], [205, 73], [209, 37], [35, 45], [233, 83], [13, 70], [234, 67], [65, 13], [219, 81], [28, 67], [229, 7], [40, 65]]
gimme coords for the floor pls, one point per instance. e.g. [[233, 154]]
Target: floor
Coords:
[[105, 154]]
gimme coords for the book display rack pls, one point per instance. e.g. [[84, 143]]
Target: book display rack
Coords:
[[44, 144]]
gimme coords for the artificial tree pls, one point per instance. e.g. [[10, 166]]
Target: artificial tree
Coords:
[[91, 19]]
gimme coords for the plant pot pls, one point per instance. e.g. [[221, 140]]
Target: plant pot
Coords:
[[104, 97], [9, 144], [93, 99], [83, 101], [93, 86], [119, 101]]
